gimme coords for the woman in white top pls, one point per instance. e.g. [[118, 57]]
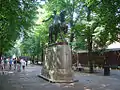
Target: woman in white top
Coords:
[[23, 64]]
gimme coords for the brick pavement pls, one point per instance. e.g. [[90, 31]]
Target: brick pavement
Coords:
[[28, 80]]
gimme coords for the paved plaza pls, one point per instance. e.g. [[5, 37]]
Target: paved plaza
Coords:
[[28, 80]]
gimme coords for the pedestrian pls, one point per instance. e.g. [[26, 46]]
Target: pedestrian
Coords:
[[18, 65], [2, 64], [23, 64], [80, 68], [5, 63], [10, 63], [15, 63], [26, 62]]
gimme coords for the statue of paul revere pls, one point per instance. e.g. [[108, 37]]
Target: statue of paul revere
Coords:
[[58, 25]]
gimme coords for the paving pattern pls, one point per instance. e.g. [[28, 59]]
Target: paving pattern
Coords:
[[28, 80]]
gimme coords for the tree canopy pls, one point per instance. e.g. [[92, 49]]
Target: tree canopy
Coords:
[[94, 24], [16, 16]]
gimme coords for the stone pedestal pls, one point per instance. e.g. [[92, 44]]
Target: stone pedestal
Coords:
[[57, 66]]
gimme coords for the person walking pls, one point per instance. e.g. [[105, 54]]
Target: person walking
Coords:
[[15, 63], [18, 65], [23, 64], [10, 63], [2, 65], [5, 63]]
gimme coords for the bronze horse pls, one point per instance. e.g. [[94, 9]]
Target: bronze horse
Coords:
[[57, 27], [54, 30]]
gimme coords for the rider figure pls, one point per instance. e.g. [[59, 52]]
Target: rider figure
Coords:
[[62, 20], [55, 18], [62, 16], [54, 26], [58, 25]]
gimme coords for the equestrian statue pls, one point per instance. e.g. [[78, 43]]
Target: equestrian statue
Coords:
[[57, 26]]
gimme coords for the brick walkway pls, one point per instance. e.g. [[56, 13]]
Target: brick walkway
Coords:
[[28, 80]]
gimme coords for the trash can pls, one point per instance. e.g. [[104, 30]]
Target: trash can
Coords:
[[106, 70]]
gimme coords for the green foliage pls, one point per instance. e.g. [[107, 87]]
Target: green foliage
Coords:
[[15, 16], [36, 42], [109, 17], [94, 24], [72, 7]]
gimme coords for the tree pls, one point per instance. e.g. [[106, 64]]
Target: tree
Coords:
[[106, 25], [99, 26], [94, 23], [34, 45], [109, 13], [15, 16]]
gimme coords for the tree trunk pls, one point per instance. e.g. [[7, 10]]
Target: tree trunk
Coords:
[[42, 55], [33, 59], [0, 55], [89, 39], [90, 54], [37, 58]]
